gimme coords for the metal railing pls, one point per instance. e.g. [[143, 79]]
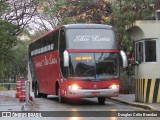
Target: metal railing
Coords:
[[7, 86], [28, 102]]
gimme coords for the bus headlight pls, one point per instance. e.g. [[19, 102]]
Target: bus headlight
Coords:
[[74, 87], [113, 86]]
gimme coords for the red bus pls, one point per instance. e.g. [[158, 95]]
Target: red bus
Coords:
[[76, 61]]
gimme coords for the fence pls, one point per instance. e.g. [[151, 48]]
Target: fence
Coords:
[[7, 86], [8, 89]]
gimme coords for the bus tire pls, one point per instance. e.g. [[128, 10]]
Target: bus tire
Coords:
[[36, 92], [101, 100], [60, 98], [44, 95]]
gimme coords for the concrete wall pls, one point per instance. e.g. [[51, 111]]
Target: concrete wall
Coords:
[[147, 73], [140, 31]]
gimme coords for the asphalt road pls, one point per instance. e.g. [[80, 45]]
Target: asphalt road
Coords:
[[83, 107], [89, 105]]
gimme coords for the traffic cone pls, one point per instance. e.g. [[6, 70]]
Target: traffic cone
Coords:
[[18, 87], [22, 96]]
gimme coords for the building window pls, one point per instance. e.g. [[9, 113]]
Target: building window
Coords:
[[150, 51], [146, 51], [139, 52]]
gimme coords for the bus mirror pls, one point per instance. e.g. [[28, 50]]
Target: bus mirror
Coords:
[[65, 58], [124, 58]]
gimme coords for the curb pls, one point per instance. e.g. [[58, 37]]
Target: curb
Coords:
[[147, 107]]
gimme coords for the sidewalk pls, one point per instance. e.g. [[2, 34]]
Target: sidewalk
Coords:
[[129, 99], [8, 102]]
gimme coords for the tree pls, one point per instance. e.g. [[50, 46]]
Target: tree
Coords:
[[7, 37], [15, 15], [125, 12], [18, 12], [58, 12], [7, 41], [88, 11]]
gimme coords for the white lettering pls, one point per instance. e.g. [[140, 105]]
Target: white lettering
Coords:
[[34, 115], [46, 61], [39, 64], [124, 115], [92, 38]]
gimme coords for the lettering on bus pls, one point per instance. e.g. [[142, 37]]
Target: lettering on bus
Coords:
[[93, 38], [46, 61], [42, 49], [83, 58]]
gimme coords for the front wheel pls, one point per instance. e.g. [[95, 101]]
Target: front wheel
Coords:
[[101, 100], [44, 95]]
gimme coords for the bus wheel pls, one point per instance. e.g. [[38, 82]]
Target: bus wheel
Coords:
[[36, 92], [101, 100], [60, 98], [44, 95]]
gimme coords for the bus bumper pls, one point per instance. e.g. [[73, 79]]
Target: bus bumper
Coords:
[[82, 93]]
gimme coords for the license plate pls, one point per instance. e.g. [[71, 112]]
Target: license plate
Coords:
[[95, 93]]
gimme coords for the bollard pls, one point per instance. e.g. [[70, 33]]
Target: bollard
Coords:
[[18, 87], [22, 96], [28, 96]]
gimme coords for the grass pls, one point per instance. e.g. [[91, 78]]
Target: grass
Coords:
[[5, 87]]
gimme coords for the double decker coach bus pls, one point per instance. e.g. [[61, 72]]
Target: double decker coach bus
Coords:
[[76, 61]]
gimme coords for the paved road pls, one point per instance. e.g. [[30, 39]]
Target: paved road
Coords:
[[88, 104]]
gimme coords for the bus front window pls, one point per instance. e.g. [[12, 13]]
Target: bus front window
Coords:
[[93, 65]]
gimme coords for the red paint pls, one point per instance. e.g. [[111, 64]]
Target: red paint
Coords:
[[47, 71]]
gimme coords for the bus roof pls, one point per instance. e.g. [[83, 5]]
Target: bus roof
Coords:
[[89, 26], [47, 33], [75, 26]]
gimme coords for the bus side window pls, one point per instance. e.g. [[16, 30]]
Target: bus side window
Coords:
[[62, 48]]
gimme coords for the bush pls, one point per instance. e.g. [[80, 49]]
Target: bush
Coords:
[[127, 85]]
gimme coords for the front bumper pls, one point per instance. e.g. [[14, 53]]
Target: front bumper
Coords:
[[82, 93]]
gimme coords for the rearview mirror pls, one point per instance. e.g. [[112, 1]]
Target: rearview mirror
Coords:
[[65, 59], [124, 59]]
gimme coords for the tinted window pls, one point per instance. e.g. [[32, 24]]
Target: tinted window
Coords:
[[150, 51], [146, 51], [62, 48], [44, 44], [139, 51], [94, 65]]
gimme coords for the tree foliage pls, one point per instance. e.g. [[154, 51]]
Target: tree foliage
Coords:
[[7, 41], [7, 36], [14, 64], [85, 11], [125, 12], [117, 13], [18, 12], [14, 16]]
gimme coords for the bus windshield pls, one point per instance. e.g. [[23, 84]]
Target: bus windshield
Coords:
[[90, 39], [93, 65]]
